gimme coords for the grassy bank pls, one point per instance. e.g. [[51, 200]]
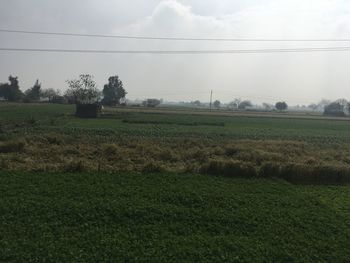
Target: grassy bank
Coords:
[[169, 218]]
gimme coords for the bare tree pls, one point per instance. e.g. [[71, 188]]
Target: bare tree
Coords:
[[84, 89]]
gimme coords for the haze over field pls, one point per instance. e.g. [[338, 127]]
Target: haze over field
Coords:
[[298, 78]]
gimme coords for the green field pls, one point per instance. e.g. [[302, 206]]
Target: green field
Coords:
[[170, 218], [172, 185], [48, 138]]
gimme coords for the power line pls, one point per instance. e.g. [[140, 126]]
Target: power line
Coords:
[[181, 52], [177, 38]]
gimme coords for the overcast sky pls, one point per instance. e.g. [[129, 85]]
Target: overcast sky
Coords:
[[298, 78]]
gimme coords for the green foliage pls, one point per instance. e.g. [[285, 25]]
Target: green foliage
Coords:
[[83, 90], [113, 92], [217, 104], [168, 217], [33, 94], [10, 91], [334, 109], [152, 103], [281, 106], [243, 105], [51, 94], [124, 140]]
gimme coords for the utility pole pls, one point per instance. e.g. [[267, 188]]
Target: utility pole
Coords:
[[211, 98]]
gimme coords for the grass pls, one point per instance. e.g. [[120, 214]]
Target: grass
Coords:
[[172, 186], [169, 218], [48, 138]]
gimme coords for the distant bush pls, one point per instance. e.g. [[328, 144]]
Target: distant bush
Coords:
[[12, 146], [334, 109], [281, 106], [151, 102], [244, 105]]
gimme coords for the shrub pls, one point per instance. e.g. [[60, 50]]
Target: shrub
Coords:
[[54, 139], [153, 167], [109, 149], [231, 151], [167, 155], [12, 146], [75, 167]]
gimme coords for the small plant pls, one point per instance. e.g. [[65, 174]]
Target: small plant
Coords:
[[231, 151], [75, 167], [31, 121], [153, 167], [54, 139], [109, 149], [4, 164]]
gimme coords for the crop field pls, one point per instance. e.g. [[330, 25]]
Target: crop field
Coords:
[[158, 185], [130, 217], [48, 138]]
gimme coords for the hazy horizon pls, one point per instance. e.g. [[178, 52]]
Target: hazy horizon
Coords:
[[298, 78]]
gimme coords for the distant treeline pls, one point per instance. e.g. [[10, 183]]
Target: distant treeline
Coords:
[[83, 90]]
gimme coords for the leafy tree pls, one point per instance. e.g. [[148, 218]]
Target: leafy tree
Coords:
[[83, 90], [50, 94], [244, 105], [234, 104], [33, 94], [10, 91], [4, 90], [334, 109], [217, 104], [281, 106], [196, 103], [113, 92], [344, 103]]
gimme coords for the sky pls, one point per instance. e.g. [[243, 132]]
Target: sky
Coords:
[[298, 78]]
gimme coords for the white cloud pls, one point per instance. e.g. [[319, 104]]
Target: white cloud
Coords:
[[297, 77]]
